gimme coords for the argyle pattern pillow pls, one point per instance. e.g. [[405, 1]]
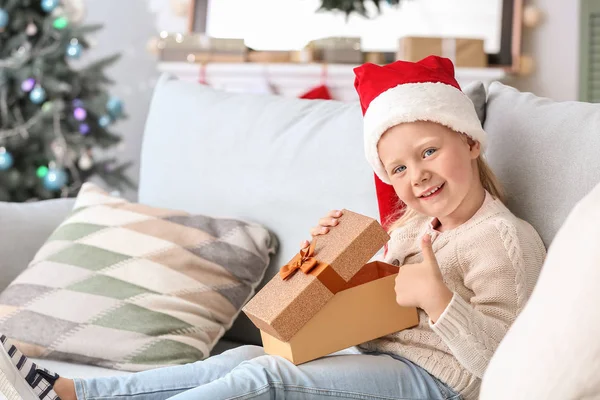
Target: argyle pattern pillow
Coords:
[[132, 287]]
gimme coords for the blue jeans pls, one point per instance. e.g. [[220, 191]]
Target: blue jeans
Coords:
[[248, 373]]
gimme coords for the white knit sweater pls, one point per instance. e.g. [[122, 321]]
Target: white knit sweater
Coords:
[[491, 263]]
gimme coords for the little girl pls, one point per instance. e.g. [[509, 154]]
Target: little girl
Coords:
[[465, 261]]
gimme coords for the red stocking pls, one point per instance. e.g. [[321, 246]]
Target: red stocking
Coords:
[[202, 75], [320, 92]]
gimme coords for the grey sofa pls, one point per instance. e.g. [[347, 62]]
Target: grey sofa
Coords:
[[284, 162]]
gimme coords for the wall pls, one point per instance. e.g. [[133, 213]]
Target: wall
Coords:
[[554, 46], [128, 27]]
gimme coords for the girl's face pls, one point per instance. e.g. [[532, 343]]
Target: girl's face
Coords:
[[433, 170]]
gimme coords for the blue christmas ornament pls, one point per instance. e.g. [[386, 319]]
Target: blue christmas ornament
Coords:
[[55, 179], [4, 18], [37, 95], [114, 105], [104, 121], [49, 5], [6, 160], [74, 50]]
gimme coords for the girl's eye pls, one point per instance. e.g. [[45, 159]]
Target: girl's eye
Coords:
[[399, 169], [429, 152]]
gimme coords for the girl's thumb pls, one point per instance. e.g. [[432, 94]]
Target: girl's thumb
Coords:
[[428, 254]]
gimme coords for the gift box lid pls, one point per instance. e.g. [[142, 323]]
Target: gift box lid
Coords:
[[350, 244], [284, 305]]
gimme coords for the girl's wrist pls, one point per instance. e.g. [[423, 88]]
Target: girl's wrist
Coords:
[[438, 304]]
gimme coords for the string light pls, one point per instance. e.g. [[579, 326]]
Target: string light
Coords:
[[60, 23]]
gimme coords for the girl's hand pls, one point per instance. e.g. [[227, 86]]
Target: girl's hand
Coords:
[[421, 285], [323, 228]]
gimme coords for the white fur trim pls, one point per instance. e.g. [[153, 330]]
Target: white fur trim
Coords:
[[428, 101]]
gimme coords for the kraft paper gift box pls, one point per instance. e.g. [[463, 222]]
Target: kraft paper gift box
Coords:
[[328, 297], [463, 52], [332, 50], [200, 48], [269, 56]]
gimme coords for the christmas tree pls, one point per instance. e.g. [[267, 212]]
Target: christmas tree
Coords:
[[354, 6], [55, 120]]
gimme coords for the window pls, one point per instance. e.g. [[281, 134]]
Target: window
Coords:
[[290, 24]]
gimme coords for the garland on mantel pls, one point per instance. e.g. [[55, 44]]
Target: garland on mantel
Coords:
[[354, 6]]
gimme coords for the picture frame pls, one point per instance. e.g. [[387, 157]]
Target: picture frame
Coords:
[[198, 16], [508, 57]]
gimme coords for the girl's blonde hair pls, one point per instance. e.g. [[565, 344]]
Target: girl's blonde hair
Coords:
[[488, 179]]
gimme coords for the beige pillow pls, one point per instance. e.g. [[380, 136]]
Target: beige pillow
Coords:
[[132, 287], [553, 349]]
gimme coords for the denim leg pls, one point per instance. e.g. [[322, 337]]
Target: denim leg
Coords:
[[349, 376], [164, 383]]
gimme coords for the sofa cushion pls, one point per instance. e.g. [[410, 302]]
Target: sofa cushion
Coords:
[[477, 93], [282, 162], [23, 229], [544, 152], [73, 370], [552, 349], [132, 287]]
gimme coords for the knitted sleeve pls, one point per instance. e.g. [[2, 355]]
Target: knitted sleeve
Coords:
[[500, 267]]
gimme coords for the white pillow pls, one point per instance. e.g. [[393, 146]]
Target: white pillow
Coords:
[[553, 349]]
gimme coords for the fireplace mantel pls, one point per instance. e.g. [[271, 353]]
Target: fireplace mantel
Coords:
[[295, 79]]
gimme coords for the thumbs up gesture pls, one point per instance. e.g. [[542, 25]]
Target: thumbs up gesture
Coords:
[[421, 285]]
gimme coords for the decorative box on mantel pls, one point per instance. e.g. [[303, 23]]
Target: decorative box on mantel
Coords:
[[295, 79]]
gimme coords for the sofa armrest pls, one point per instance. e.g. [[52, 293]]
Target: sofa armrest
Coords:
[[23, 229]]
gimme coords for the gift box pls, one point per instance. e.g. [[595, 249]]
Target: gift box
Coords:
[[340, 56], [269, 56], [200, 57], [329, 296], [332, 50], [304, 56], [201, 48], [463, 52]]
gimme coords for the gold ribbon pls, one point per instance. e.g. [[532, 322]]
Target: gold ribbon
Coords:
[[307, 263], [303, 261]]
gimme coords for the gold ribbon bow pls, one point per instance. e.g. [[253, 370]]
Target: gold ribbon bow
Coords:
[[303, 261]]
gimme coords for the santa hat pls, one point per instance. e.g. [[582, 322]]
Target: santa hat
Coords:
[[406, 92]]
